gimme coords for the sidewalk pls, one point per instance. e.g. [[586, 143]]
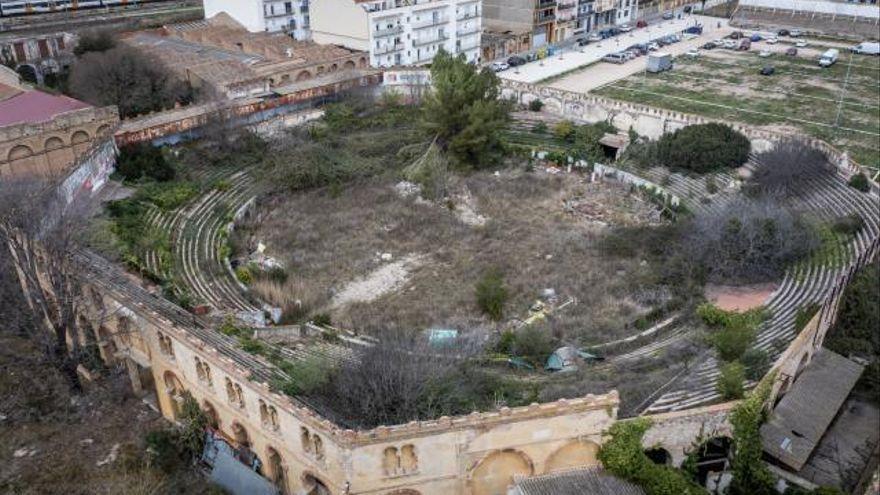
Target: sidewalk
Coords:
[[572, 58]]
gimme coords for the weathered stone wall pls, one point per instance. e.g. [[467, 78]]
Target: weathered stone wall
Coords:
[[647, 121], [48, 149]]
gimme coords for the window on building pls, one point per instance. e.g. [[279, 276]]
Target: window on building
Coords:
[[288, 7]]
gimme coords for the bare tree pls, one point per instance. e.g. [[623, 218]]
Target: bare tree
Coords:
[[133, 80], [41, 251], [748, 241], [392, 382], [784, 169]]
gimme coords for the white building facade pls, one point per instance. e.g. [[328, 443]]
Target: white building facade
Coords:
[[400, 33], [289, 16]]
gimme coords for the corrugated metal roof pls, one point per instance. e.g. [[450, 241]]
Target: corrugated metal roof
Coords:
[[579, 481], [804, 413]]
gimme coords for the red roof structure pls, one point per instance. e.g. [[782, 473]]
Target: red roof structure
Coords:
[[36, 106]]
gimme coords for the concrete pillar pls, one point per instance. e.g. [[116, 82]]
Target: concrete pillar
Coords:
[[134, 376]]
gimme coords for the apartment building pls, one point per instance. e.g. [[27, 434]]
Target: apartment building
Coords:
[[554, 21], [288, 16], [400, 32]]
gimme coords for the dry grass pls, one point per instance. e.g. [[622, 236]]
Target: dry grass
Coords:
[[328, 239]]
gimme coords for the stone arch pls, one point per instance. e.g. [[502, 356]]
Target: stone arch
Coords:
[[240, 435], [573, 454], [19, 151], [276, 469], [107, 345], [103, 128], [362, 62], [174, 390], [304, 75], [712, 457], [659, 456], [285, 79], [313, 485], [53, 143], [79, 136], [494, 473], [29, 73], [553, 105], [409, 459], [390, 461], [349, 64], [211, 413]]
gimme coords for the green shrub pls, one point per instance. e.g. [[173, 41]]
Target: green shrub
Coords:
[[167, 196], [756, 363], [534, 344], [804, 315], [700, 148], [244, 275], [730, 381], [322, 320], [539, 128], [734, 332], [860, 182], [731, 343], [228, 327], [624, 456], [536, 105], [306, 375], [193, 422], [491, 294], [143, 160], [506, 342], [711, 185], [564, 130], [163, 449], [750, 473], [849, 225]]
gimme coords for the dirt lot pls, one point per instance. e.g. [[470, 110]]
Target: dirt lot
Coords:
[[726, 84], [420, 261], [55, 442]]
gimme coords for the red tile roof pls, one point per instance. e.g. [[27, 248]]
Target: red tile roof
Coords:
[[36, 106]]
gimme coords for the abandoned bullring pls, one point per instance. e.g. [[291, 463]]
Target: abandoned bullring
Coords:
[[478, 288]]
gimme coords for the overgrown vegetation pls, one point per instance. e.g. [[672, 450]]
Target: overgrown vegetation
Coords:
[[855, 331], [750, 475], [491, 294], [143, 161], [784, 169], [860, 181], [697, 148], [732, 336], [464, 111], [623, 456]]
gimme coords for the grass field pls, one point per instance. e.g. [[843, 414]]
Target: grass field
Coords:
[[724, 84]]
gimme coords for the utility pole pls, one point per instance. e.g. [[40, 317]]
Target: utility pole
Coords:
[[843, 93]]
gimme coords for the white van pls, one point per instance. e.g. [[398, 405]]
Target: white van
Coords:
[[867, 48], [829, 58]]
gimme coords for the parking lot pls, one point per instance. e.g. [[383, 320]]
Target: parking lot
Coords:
[[839, 104], [572, 58], [603, 73]]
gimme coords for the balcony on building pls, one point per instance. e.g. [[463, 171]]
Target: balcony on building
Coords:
[[467, 31], [388, 31], [429, 41], [544, 4], [543, 19], [463, 16], [390, 48], [431, 22]]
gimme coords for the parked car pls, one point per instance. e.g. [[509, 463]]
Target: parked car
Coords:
[[729, 44], [693, 53], [625, 28], [606, 33], [709, 46], [772, 40], [614, 58], [783, 32], [768, 70], [744, 45], [791, 52], [499, 66], [764, 53], [735, 35], [687, 9], [583, 41], [659, 62], [698, 29], [515, 61], [652, 46], [642, 24], [867, 48], [594, 37], [801, 44], [794, 33], [668, 15], [829, 58]]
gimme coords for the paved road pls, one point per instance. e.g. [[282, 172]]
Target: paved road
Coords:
[[598, 75], [573, 58]]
